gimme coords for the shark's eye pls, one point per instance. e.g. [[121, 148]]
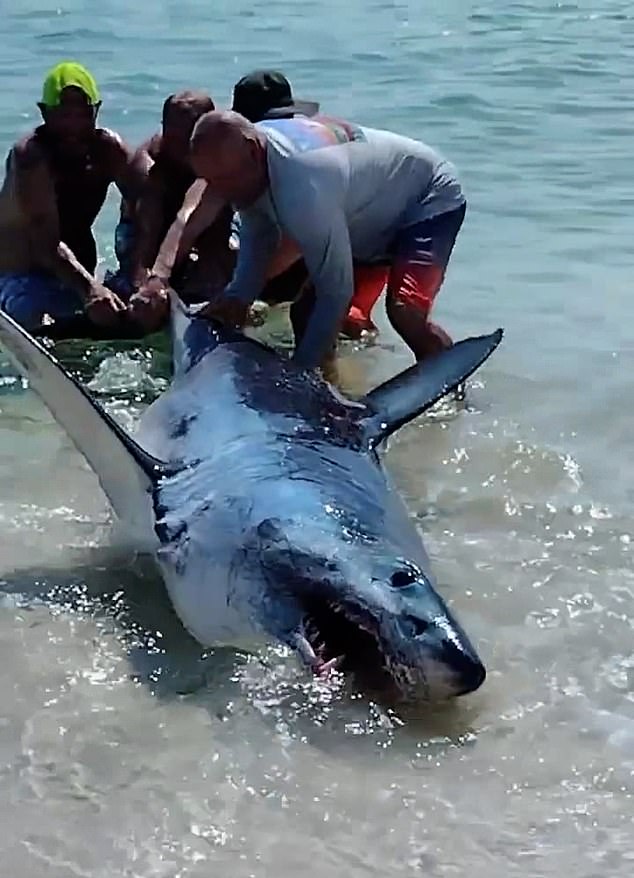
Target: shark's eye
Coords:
[[403, 578]]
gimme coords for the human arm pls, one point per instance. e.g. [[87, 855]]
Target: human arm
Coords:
[[143, 161], [328, 258], [200, 209], [141, 185], [311, 212], [35, 192], [259, 240]]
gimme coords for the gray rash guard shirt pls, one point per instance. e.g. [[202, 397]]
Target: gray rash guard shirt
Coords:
[[338, 203]]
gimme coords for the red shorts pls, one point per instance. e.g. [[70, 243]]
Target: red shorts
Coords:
[[369, 282], [421, 256], [413, 276]]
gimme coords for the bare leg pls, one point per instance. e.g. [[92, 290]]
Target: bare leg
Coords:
[[410, 316], [421, 256]]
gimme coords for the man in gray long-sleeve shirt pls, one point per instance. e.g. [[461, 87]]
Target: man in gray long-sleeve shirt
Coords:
[[381, 198]]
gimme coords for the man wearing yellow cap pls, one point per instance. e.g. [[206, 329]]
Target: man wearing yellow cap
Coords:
[[56, 182]]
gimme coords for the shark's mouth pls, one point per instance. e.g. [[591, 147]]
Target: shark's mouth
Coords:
[[338, 636]]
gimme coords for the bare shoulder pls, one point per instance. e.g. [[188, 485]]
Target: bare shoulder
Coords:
[[118, 158], [28, 167], [27, 153], [112, 143]]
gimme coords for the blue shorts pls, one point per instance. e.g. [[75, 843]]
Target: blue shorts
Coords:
[[28, 297]]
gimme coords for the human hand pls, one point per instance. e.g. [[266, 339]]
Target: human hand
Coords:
[[103, 307], [226, 309], [149, 306]]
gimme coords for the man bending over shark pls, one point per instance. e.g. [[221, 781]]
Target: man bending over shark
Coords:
[[383, 199]]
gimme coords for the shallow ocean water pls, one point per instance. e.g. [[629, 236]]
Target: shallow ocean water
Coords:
[[123, 750]]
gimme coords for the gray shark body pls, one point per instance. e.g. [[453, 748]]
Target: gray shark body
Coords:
[[262, 493]]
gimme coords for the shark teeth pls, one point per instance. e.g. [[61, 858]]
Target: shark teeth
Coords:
[[326, 668], [406, 678], [305, 649], [314, 642], [315, 662], [311, 645], [353, 618]]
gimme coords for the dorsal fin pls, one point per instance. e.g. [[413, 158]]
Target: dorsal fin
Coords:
[[410, 393], [190, 338], [194, 337], [124, 469]]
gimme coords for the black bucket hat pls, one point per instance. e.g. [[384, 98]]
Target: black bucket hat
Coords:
[[267, 94]]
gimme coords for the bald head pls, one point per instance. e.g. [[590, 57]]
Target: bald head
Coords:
[[230, 153], [220, 128]]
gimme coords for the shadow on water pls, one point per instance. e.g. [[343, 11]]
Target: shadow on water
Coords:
[[125, 598]]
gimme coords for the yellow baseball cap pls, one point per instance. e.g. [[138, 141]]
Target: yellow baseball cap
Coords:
[[64, 75]]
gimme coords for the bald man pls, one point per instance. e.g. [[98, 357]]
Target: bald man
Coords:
[[266, 97], [380, 199]]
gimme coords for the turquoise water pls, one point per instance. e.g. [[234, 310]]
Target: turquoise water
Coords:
[[125, 753]]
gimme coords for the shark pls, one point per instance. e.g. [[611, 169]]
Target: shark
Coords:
[[262, 493]]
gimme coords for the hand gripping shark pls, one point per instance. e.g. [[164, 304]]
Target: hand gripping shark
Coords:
[[269, 510]]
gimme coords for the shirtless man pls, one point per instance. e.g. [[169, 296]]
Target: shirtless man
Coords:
[[381, 199], [171, 194], [56, 182]]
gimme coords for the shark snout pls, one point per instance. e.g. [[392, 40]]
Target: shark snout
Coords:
[[446, 659], [468, 671]]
